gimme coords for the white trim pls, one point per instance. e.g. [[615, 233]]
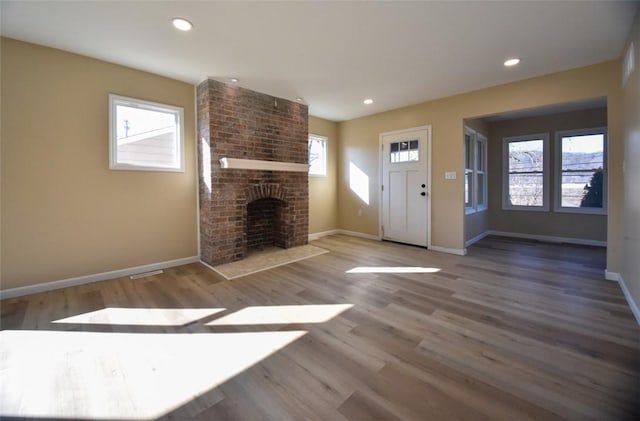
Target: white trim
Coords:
[[476, 239], [545, 172], [360, 235], [550, 238], [178, 112], [426, 128], [86, 279], [557, 182], [458, 252], [612, 276], [317, 235], [429, 190], [196, 158], [257, 164], [325, 147], [482, 141], [476, 140], [617, 277]]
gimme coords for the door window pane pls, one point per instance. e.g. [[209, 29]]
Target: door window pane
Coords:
[[405, 151]]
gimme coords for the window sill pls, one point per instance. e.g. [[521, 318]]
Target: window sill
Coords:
[[471, 211], [582, 211], [526, 208], [126, 167]]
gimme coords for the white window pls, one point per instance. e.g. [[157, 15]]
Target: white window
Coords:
[[145, 135], [475, 171], [580, 177], [481, 172], [526, 172], [317, 155]]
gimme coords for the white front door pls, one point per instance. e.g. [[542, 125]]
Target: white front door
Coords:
[[405, 186]]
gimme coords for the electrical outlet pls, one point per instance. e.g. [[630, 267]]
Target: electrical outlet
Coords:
[[360, 212]]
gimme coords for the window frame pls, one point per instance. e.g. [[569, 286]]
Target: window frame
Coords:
[[469, 163], [114, 101], [557, 207], [325, 142], [545, 172], [471, 158], [481, 140]]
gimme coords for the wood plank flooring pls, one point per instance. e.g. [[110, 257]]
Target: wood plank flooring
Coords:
[[515, 330]]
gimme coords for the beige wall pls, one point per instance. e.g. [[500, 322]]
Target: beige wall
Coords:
[[323, 195], [476, 223], [359, 144], [64, 213], [631, 240], [572, 225]]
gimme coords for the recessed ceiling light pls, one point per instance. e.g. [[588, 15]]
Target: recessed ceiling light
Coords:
[[182, 24], [299, 99], [512, 62], [368, 101], [234, 80]]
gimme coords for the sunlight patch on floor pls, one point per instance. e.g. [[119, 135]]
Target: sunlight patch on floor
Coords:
[[120, 376], [142, 316], [392, 269], [133, 375], [262, 315]]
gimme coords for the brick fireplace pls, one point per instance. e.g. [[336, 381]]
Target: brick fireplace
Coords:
[[241, 209]]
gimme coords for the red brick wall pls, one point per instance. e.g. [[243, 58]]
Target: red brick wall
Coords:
[[238, 123]]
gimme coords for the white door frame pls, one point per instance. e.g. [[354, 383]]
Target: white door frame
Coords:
[[427, 129]]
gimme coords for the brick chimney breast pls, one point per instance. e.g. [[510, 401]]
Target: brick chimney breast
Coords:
[[234, 122]]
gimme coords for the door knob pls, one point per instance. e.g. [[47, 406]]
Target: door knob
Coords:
[[423, 194], [424, 185]]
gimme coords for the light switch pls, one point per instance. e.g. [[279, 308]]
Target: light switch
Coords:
[[450, 175]]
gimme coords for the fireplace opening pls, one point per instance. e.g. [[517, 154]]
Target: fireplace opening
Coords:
[[266, 227]]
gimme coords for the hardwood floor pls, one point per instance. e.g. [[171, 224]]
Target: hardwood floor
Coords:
[[372, 330]]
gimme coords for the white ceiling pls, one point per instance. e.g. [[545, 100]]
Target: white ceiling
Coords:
[[334, 54]]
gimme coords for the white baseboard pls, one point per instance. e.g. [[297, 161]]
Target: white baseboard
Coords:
[[103, 276], [612, 276], [617, 277], [459, 252], [360, 234], [476, 239], [549, 238], [317, 235]]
